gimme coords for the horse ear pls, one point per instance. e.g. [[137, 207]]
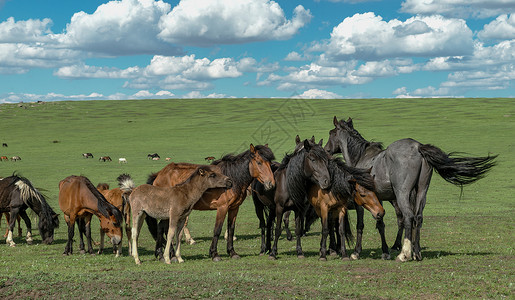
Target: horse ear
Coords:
[[335, 121], [252, 148], [266, 145], [321, 142], [201, 172], [313, 139], [349, 123], [297, 139], [306, 145]]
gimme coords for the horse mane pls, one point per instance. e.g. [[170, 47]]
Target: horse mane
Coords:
[[342, 174], [152, 177], [104, 207], [236, 167], [357, 145]]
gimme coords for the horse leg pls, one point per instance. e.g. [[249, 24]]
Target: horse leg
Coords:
[[187, 233], [269, 229], [180, 224], [7, 218], [20, 233], [129, 235], [299, 230], [172, 227], [68, 249], [279, 211], [360, 211], [423, 186], [325, 232], [87, 225], [259, 209], [286, 220], [231, 224], [219, 222], [11, 224], [26, 219], [384, 246], [333, 248], [400, 224], [101, 247], [341, 231], [137, 222], [404, 205], [82, 228]]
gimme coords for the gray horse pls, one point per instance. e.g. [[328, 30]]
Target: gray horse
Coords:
[[402, 176]]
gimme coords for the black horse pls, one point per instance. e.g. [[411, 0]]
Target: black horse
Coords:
[[307, 165], [402, 176], [153, 155], [16, 195]]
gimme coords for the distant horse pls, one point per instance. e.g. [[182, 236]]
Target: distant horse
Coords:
[[242, 169], [156, 158], [168, 158], [15, 158], [105, 158], [172, 203], [152, 156], [122, 160], [4, 158], [119, 197], [87, 155], [4, 144], [80, 200], [348, 184], [16, 195], [402, 176], [210, 158]]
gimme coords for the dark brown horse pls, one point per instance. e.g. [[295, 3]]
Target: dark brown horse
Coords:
[[172, 203], [105, 158], [119, 197], [242, 169], [80, 200], [16, 195]]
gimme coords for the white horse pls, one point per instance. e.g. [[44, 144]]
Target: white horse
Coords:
[[122, 160]]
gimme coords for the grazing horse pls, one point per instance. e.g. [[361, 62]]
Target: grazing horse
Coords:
[[119, 197], [347, 184], [306, 166], [15, 158], [210, 158], [16, 195], [152, 156], [172, 203], [4, 144], [4, 158], [242, 169], [80, 200], [105, 158], [87, 155], [402, 176], [122, 160]]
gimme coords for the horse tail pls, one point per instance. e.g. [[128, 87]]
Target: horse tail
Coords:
[[457, 170], [104, 207], [126, 185], [152, 177]]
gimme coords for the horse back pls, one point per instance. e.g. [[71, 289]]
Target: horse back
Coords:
[[114, 197], [174, 173], [75, 198]]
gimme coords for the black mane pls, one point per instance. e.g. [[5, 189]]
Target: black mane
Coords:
[[341, 174], [357, 144], [104, 207], [236, 167]]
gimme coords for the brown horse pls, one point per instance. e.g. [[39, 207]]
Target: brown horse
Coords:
[[119, 197], [80, 200], [105, 158], [242, 169], [172, 203], [4, 158], [348, 184]]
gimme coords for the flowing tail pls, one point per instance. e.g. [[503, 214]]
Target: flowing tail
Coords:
[[126, 184], [457, 170]]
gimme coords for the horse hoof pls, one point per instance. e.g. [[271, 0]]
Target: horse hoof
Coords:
[[174, 259], [271, 257], [192, 242], [401, 258], [417, 257], [82, 251], [333, 253], [217, 258], [301, 256], [235, 256], [345, 258], [138, 262], [354, 256], [386, 256], [322, 259]]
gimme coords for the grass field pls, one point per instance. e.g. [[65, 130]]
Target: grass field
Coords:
[[468, 242]]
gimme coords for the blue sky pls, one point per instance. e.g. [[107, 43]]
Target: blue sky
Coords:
[[139, 49]]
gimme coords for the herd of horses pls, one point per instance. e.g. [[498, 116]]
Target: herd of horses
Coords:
[[310, 181]]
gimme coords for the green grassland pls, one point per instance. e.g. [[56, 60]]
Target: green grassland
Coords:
[[468, 241]]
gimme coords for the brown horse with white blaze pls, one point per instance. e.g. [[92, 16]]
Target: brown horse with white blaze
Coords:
[[80, 200], [172, 203], [242, 169]]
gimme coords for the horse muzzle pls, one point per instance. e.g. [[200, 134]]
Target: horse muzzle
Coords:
[[116, 240], [268, 185]]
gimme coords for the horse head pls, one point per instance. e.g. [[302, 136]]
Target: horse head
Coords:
[[369, 200], [259, 165], [315, 164]]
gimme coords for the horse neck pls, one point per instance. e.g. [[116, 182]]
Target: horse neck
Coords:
[[296, 179], [356, 149], [193, 187], [238, 171]]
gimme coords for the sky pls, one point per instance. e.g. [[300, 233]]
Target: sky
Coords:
[[314, 49]]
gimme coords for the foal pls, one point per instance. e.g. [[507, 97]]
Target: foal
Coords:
[[172, 203]]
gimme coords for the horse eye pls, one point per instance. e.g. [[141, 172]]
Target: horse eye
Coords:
[[212, 175]]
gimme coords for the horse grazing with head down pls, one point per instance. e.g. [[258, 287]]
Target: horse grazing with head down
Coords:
[[242, 169], [119, 197], [172, 203], [80, 200], [16, 195], [402, 176]]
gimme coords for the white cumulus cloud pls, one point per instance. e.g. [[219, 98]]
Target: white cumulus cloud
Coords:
[[318, 94], [459, 8], [502, 28], [213, 22]]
